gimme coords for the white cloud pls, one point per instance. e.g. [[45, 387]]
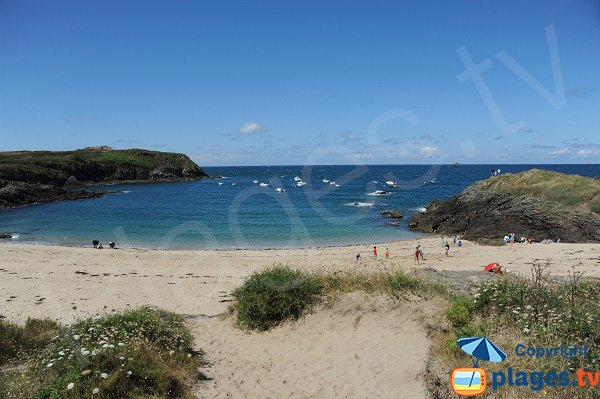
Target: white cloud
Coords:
[[427, 151], [562, 151], [587, 153], [251, 128], [359, 155]]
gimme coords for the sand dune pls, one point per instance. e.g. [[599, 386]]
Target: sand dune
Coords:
[[361, 347]]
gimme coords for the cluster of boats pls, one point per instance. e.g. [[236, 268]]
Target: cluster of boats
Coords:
[[299, 182]]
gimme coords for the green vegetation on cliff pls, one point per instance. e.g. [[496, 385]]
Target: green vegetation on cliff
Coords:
[[571, 191], [28, 177], [95, 165]]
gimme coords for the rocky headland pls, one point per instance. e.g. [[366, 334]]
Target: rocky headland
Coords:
[[28, 177], [536, 204]]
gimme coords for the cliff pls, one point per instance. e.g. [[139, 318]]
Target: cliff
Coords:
[[537, 203], [28, 177]]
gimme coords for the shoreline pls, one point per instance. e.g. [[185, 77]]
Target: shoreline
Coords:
[[10, 241]]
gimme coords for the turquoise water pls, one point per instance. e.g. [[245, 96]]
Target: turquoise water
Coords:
[[239, 213]]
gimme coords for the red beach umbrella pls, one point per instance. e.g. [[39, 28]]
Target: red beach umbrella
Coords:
[[490, 266]]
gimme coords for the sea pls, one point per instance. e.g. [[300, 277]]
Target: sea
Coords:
[[257, 207]]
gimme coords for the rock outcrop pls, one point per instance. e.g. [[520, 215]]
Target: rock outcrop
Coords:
[[28, 177], [535, 204], [392, 214]]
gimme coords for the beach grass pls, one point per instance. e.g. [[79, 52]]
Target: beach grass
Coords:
[[272, 296], [141, 353]]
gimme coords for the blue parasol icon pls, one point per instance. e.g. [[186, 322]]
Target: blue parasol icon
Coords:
[[482, 348]]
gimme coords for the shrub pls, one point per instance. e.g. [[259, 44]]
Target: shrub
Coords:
[[458, 314], [269, 297], [142, 353]]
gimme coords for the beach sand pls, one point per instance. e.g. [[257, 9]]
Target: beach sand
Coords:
[[357, 347]]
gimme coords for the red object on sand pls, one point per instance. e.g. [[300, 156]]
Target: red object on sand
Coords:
[[490, 266]]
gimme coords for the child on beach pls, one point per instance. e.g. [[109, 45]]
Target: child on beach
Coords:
[[417, 253], [421, 252], [387, 253], [447, 248], [375, 252]]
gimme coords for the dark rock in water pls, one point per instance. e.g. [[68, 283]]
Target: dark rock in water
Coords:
[[19, 193], [392, 214], [488, 210], [4, 235]]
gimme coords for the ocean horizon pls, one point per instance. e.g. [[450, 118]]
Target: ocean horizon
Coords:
[[257, 207]]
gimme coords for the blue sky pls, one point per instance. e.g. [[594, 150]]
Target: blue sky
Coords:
[[305, 82]]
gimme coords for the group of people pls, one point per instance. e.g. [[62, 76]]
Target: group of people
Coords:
[[420, 253], [495, 268], [387, 254], [511, 239], [98, 245]]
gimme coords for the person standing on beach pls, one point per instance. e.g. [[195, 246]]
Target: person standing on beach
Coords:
[[375, 252], [417, 254], [387, 253], [447, 248], [357, 258], [421, 252]]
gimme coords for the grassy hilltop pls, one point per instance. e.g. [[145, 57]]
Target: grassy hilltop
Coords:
[[38, 176]]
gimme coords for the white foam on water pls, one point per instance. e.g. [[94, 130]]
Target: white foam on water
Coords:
[[360, 204]]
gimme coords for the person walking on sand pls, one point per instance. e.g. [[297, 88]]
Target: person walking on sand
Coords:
[[447, 249], [387, 253], [421, 252], [375, 252], [417, 254], [357, 258]]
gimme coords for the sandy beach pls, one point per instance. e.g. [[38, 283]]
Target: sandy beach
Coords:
[[347, 342]]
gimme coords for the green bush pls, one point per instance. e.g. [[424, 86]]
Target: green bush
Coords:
[[458, 314], [142, 353], [272, 296]]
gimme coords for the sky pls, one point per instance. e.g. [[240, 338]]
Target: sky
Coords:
[[305, 82]]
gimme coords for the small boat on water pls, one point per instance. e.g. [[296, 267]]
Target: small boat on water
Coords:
[[280, 190], [392, 184], [433, 181], [220, 184], [380, 192], [264, 184], [300, 184], [326, 180], [297, 178], [255, 181]]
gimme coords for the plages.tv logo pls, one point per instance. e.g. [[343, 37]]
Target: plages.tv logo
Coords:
[[471, 381]]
